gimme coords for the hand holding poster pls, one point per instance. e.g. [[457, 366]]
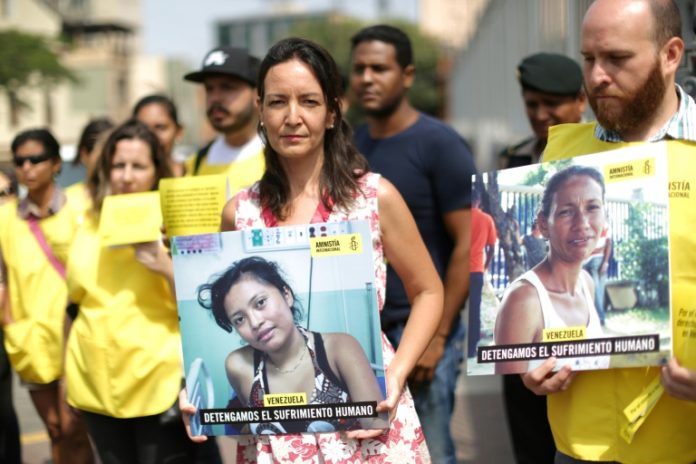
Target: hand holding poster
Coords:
[[599, 296], [280, 329]]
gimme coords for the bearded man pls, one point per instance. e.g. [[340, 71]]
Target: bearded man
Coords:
[[229, 77], [632, 50]]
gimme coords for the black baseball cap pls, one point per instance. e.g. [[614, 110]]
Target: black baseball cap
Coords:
[[550, 73], [230, 61]]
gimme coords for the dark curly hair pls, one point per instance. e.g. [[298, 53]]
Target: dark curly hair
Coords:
[[42, 136], [211, 295]]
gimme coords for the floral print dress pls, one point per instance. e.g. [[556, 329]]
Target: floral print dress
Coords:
[[403, 442]]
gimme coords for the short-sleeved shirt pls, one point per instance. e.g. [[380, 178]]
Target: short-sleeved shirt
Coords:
[[26, 208], [482, 234], [431, 166], [243, 165]]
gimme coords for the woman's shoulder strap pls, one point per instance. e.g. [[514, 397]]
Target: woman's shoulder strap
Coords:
[[544, 299], [323, 360]]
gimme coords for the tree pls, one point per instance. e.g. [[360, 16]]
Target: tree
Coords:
[[28, 60], [335, 35], [543, 172], [506, 226], [644, 259]]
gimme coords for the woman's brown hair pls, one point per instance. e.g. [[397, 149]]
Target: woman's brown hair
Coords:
[[99, 179], [343, 164]]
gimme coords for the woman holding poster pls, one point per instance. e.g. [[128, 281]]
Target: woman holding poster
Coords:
[[254, 299], [314, 174], [557, 292], [123, 365]]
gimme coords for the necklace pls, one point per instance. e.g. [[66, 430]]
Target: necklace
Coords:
[[293, 368]]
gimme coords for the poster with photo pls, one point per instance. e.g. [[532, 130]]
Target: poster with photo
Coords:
[[280, 329], [574, 264]]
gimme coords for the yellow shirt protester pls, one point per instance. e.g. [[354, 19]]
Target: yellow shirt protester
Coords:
[[243, 166], [37, 290], [123, 353], [587, 419]]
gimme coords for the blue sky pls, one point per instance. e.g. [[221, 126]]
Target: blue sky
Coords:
[[184, 28]]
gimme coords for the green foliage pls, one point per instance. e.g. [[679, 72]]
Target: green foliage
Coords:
[[25, 57], [640, 320], [335, 34], [541, 174], [643, 259]]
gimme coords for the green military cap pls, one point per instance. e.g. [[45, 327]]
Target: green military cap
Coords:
[[550, 73]]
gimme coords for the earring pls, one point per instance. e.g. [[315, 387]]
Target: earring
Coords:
[[330, 127], [261, 123]]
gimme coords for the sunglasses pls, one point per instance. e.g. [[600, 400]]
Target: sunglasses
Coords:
[[33, 159]]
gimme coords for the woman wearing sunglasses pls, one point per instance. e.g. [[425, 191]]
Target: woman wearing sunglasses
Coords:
[[34, 237]]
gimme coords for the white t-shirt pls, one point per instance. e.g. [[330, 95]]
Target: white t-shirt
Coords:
[[222, 153]]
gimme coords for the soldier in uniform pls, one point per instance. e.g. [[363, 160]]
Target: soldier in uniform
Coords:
[[553, 94]]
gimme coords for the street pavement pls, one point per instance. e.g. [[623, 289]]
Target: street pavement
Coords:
[[478, 426]]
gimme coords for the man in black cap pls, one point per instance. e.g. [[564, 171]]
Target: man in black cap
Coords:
[[229, 76], [552, 93]]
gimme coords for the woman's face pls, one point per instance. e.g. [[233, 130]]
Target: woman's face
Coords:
[[132, 169], [576, 219], [158, 120], [260, 313], [34, 170], [294, 111]]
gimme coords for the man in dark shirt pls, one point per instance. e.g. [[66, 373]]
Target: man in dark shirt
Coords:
[[431, 166]]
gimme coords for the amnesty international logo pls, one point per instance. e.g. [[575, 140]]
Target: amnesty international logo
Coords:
[[647, 167], [634, 169], [346, 244], [679, 189]]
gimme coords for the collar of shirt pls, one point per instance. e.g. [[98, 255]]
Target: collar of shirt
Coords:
[[26, 207], [681, 126]]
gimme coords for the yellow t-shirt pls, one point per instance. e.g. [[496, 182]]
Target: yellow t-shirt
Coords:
[[38, 295], [124, 350], [586, 420], [79, 200], [241, 173]]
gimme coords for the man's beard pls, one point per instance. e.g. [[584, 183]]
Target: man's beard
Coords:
[[387, 109], [242, 119], [635, 108]]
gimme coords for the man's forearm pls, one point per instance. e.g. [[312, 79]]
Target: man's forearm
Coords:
[[456, 281], [456, 288]]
